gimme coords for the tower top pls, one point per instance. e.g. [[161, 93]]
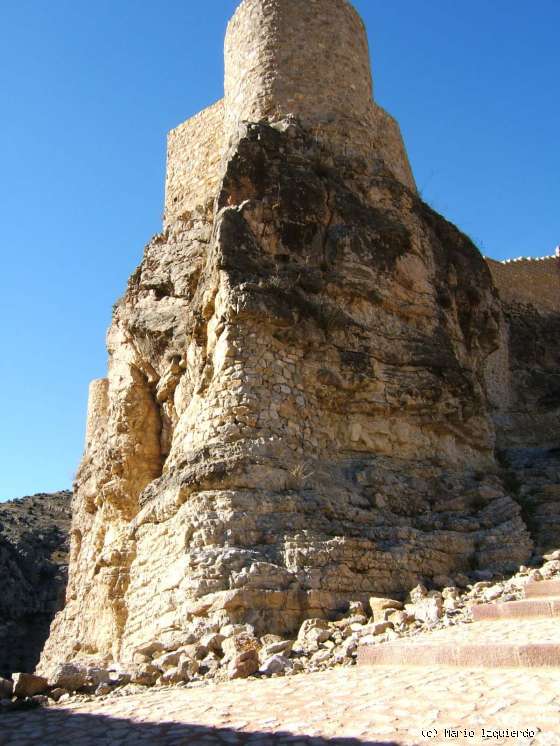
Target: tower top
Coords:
[[304, 57]]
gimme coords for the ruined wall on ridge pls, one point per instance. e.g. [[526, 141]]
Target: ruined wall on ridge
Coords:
[[530, 281]]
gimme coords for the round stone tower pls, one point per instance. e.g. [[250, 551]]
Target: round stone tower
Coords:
[[304, 57]]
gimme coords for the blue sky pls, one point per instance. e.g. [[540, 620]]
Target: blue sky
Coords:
[[89, 90]]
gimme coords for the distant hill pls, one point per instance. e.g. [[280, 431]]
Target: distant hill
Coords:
[[33, 571]]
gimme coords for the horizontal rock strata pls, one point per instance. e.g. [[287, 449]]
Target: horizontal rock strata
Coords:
[[296, 412]]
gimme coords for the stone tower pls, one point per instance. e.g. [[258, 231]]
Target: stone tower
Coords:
[[286, 58], [283, 58], [294, 415]]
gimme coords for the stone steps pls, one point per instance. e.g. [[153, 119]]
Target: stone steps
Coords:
[[542, 588], [525, 609], [483, 655], [517, 634], [542, 599]]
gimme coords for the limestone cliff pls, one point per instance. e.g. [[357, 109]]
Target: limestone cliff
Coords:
[[33, 563], [295, 412], [523, 381]]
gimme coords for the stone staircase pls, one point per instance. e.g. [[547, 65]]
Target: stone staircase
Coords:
[[523, 633]]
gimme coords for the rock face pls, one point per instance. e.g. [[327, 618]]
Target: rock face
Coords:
[[523, 381], [295, 412], [33, 566]]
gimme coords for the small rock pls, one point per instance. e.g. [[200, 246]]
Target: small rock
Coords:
[[347, 621], [188, 667], [451, 604], [145, 674], [167, 660], [275, 664], [377, 628], [213, 642], [356, 608], [196, 650], [312, 633], [6, 688], [231, 630], [552, 556], [102, 689], [283, 646], [244, 664], [398, 618], [418, 593], [119, 678], [550, 569], [56, 694], [70, 676], [270, 639], [450, 592], [28, 685], [41, 700], [233, 646], [348, 647], [380, 605], [491, 594], [150, 649], [428, 610], [321, 656], [171, 676], [210, 664]]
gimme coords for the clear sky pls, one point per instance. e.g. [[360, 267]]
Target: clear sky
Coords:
[[88, 91]]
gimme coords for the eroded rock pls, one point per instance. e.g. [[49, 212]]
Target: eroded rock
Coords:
[[295, 414]]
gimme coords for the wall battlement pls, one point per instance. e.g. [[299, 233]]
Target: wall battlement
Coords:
[[526, 280], [282, 58]]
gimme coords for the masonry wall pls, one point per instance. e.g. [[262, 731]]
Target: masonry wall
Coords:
[[309, 58], [194, 154], [534, 281]]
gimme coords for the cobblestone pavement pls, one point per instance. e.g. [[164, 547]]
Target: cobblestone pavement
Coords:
[[384, 706]]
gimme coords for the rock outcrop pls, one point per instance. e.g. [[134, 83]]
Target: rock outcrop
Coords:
[[34, 534], [523, 382], [295, 413]]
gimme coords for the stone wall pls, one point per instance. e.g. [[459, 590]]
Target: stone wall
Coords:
[[194, 152], [535, 281], [98, 403]]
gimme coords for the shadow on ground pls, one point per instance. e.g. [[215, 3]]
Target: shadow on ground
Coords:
[[44, 727]]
